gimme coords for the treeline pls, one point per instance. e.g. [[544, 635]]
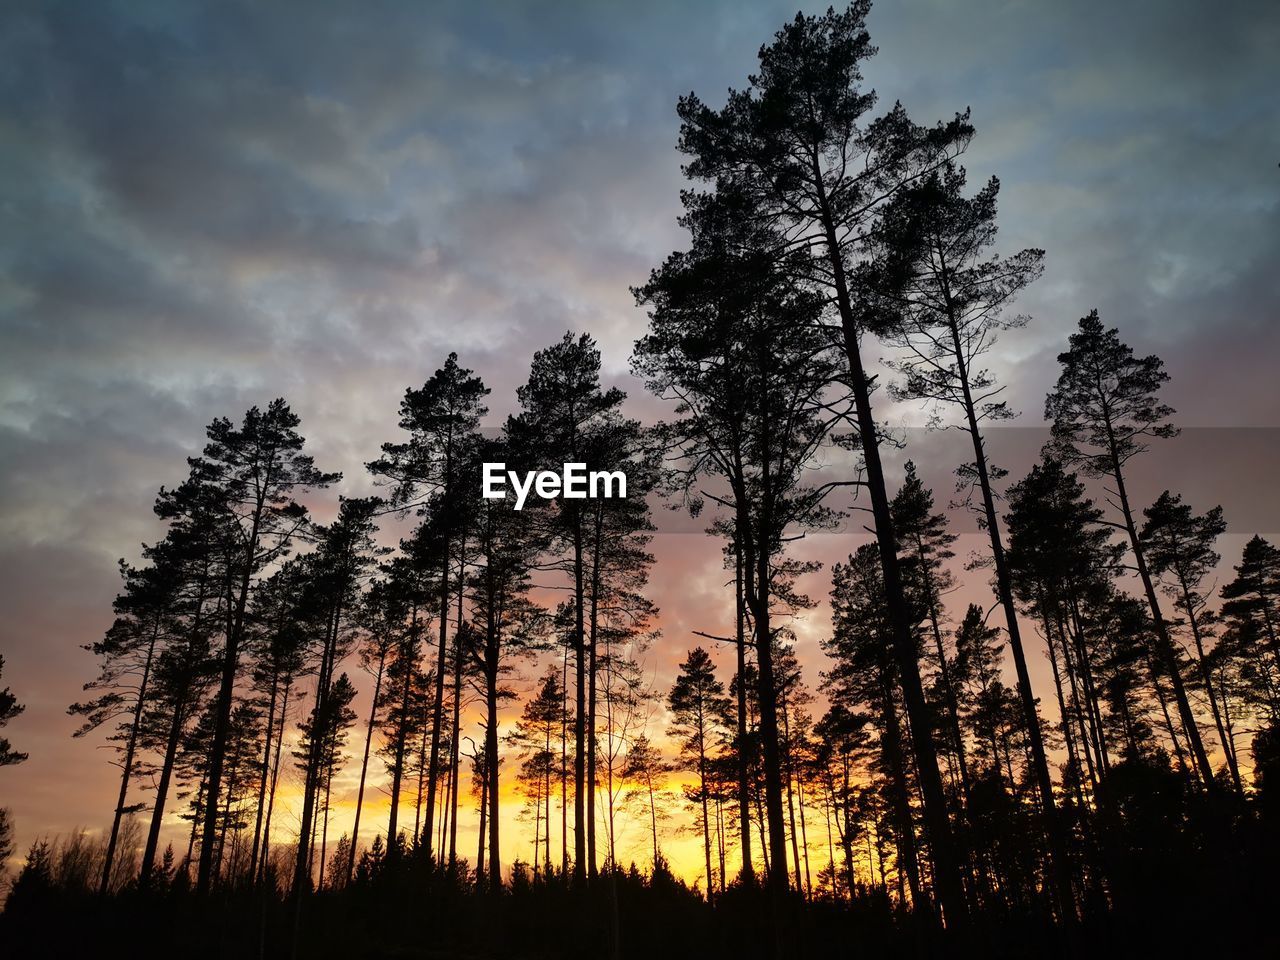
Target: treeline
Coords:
[[912, 794]]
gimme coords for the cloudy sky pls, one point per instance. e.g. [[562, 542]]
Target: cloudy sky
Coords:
[[207, 205]]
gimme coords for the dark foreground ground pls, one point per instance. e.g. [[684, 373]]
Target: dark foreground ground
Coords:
[[1174, 909]]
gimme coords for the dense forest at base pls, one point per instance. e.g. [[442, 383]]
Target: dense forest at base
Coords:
[[923, 795], [1185, 902]]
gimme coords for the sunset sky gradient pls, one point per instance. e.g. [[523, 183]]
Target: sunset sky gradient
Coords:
[[207, 205]]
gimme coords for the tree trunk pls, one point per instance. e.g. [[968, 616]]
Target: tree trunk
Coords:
[[265, 856], [397, 770], [579, 724], [938, 826], [266, 770], [127, 771], [364, 764], [1206, 677], [491, 749], [900, 794], [1060, 866], [302, 864], [1164, 644], [744, 793], [162, 793], [702, 795], [437, 709], [456, 726], [591, 697], [226, 693]]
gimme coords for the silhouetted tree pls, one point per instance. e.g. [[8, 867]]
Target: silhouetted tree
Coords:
[[9, 708], [1179, 547], [534, 735], [1061, 563], [323, 736], [863, 672], [504, 623], [1252, 599], [698, 705], [950, 308], [279, 608], [344, 554], [430, 471], [385, 616], [128, 654], [252, 472], [1105, 411], [566, 416], [646, 767], [926, 545], [798, 149], [732, 343]]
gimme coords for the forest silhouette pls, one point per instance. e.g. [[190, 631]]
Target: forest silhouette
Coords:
[[920, 795]]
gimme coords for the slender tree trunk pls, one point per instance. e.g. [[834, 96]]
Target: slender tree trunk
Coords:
[[197, 819], [1206, 677], [564, 767], [720, 839], [591, 697], [580, 721], [941, 842], [1093, 709], [226, 693], [225, 820], [484, 813], [437, 709], [127, 768], [944, 675], [455, 744], [791, 805], [1164, 644], [653, 819], [302, 864], [702, 795], [422, 782], [546, 798], [758, 601], [901, 798], [265, 774], [1060, 867], [1078, 700], [804, 839], [1073, 756], [764, 833], [491, 749], [828, 801], [324, 830], [744, 792], [397, 770], [364, 762], [162, 792], [846, 834], [265, 857]]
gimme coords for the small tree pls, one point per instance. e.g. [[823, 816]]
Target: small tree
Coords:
[[9, 708], [698, 705], [646, 768], [1253, 597]]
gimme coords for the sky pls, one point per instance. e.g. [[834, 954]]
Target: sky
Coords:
[[207, 205]]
